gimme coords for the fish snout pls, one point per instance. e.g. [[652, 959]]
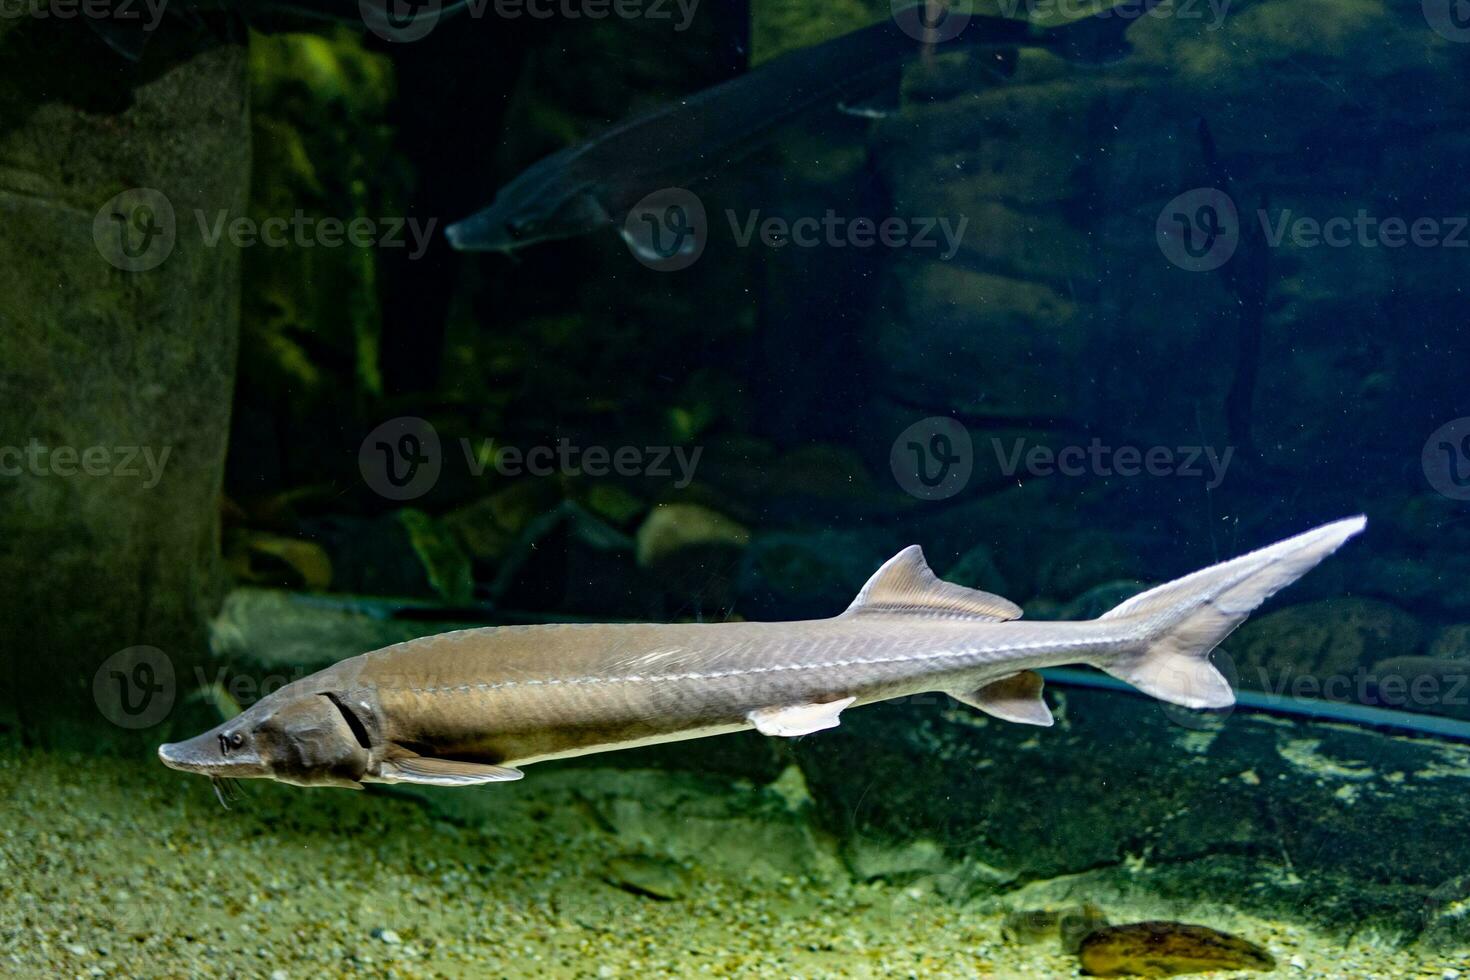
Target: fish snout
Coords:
[[206, 755], [174, 755]]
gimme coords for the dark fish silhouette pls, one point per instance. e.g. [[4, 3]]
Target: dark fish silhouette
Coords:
[[597, 183]]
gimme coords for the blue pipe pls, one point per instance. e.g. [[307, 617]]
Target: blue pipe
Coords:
[[1280, 704]]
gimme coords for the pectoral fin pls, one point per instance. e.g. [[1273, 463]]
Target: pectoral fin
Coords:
[[1015, 698], [444, 772], [798, 719], [885, 98]]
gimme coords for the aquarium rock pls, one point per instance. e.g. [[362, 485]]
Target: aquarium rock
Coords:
[[1163, 949]]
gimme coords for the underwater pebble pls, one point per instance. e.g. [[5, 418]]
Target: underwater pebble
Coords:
[[1162, 949], [388, 936], [1297, 962]]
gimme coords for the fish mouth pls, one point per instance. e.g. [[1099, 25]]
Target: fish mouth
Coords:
[[476, 234], [173, 755]]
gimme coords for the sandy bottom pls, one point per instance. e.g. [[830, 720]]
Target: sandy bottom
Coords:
[[114, 868]]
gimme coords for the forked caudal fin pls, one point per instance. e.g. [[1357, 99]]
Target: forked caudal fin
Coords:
[[1181, 622]]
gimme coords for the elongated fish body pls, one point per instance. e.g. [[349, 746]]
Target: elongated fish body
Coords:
[[566, 690], [473, 705]]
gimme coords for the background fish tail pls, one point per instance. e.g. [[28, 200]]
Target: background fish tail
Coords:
[[1181, 622]]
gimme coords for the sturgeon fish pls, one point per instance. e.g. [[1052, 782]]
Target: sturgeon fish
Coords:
[[473, 706], [597, 183]]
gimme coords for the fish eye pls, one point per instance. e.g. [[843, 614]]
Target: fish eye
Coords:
[[520, 227], [231, 741]]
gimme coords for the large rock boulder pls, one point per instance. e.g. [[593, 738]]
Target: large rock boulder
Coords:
[[1321, 649], [1062, 294], [117, 357]]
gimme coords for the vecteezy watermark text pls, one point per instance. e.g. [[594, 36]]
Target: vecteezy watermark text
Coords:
[[668, 229], [568, 459], [1071, 11], [1364, 231], [938, 21], [302, 230], [137, 230], [934, 458], [680, 12], [124, 462], [1099, 459], [834, 231], [404, 21], [1201, 229], [403, 458], [141, 14]]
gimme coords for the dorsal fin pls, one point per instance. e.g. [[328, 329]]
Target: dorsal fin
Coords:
[[905, 586]]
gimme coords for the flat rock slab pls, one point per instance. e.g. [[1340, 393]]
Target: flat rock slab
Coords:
[[1342, 826]]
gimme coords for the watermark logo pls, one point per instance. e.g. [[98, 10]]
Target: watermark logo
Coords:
[[1450, 19], [1446, 459], [932, 21], [135, 688], [401, 459], [1198, 230], [135, 231], [667, 230], [933, 458], [401, 21]]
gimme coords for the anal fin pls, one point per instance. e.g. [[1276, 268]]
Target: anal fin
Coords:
[[444, 772], [1015, 698], [798, 719]]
